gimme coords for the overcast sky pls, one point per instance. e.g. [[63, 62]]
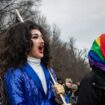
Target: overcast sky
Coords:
[[82, 19]]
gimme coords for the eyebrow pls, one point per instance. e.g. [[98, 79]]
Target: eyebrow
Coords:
[[37, 34]]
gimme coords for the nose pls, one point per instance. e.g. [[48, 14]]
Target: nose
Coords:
[[41, 39]]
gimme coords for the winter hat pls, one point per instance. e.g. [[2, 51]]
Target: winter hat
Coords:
[[68, 80], [74, 87]]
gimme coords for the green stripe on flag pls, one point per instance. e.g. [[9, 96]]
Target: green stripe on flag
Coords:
[[96, 49]]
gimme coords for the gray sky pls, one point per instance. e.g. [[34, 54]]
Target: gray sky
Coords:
[[82, 19]]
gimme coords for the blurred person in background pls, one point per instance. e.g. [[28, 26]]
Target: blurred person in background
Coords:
[[74, 96], [67, 87], [60, 81], [78, 85]]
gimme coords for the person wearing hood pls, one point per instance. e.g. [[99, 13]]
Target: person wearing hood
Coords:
[[92, 87]]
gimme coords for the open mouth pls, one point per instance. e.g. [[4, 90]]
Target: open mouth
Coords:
[[41, 48]]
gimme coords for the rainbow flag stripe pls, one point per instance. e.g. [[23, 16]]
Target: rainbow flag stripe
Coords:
[[96, 54]]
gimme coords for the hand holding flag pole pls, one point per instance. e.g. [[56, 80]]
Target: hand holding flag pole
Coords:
[[61, 96]]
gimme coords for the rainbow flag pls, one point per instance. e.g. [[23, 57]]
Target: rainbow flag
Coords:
[[96, 54]]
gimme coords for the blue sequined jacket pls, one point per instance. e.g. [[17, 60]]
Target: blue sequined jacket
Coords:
[[23, 87]]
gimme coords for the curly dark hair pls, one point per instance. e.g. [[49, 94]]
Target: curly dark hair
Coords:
[[16, 43]]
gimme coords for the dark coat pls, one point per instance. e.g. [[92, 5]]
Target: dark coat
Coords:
[[92, 88]]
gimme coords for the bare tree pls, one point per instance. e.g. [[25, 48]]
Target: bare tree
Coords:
[[68, 61], [7, 11]]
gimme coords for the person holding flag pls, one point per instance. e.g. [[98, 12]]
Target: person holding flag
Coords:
[[24, 58]]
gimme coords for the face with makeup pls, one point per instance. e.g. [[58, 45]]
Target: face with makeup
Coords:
[[37, 50]]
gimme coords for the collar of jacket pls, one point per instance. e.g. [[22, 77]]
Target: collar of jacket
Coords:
[[98, 78]]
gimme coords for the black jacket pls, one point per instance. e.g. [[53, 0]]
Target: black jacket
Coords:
[[92, 88]]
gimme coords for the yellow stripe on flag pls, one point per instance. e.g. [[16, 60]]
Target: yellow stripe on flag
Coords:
[[98, 41]]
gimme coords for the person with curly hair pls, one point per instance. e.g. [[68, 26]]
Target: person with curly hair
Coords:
[[23, 61]]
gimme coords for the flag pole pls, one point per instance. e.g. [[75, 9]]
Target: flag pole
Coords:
[[18, 14]]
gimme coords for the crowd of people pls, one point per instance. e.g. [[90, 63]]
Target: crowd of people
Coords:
[[71, 89]]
